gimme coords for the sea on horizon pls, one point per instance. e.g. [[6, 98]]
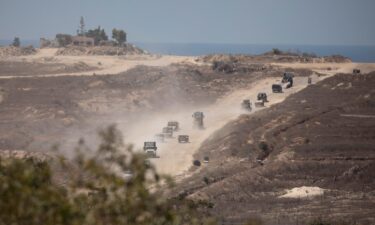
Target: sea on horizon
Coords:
[[358, 53]]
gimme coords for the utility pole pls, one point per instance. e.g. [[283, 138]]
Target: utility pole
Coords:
[[81, 31]]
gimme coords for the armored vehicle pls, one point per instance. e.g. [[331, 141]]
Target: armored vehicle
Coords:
[[246, 104], [168, 132], [259, 104], [287, 77], [198, 120], [356, 71], [174, 124], [183, 138], [276, 88], [262, 97], [150, 148]]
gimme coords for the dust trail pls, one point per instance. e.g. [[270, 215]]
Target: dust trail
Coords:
[[175, 158]]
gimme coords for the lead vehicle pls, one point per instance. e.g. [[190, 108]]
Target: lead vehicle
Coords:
[[149, 147]]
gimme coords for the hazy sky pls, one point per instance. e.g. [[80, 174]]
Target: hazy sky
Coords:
[[341, 22]]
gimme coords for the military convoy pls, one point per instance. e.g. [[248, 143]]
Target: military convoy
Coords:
[[174, 125], [149, 147], [246, 105], [198, 120], [183, 138], [168, 132]]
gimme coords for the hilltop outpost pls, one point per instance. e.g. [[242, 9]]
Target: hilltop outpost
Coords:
[[90, 38]]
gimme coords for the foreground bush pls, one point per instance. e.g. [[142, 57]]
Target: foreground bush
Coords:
[[98, 192]]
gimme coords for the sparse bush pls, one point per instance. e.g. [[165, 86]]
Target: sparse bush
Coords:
[[254, 221], [263, 146], [97, 193], [276, 51]]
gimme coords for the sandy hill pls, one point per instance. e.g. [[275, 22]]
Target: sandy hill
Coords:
[[310, 156]]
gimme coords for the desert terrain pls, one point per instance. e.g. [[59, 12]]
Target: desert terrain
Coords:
[[308, 153]]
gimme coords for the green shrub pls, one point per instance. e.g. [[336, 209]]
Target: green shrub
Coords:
[[97, 193]]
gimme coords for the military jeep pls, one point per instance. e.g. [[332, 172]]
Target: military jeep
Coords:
[[149, 147], [183, 138]]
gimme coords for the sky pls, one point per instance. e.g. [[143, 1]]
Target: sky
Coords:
[[312, 22]]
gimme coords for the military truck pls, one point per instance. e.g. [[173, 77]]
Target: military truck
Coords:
[[287, 77], [149, 147], [174, 124], [259, 104], [246, 104], [198, 120], [183, 138], [168, 132], [262, 97], [356, 71], [159, 137], [276, 88]]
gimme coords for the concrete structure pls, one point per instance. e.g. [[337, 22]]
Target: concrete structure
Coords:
[[82, 41]]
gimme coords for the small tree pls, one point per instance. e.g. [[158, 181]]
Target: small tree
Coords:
[[16, 42], [98, 34], [64, 39], [276, 51], [119, 36]]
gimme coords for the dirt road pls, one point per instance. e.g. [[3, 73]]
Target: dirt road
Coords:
[[175, 158], [105, 64]]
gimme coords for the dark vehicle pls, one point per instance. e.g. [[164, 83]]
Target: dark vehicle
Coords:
[[174, 124], [259, 104], [168, 132], [206, 159], [159, 137], [356, 71], [197, 162], [276, 88], [198, 120], [262, 97], [246, 104], [287, 77], [183, 138], [290, 83], [150, 148]]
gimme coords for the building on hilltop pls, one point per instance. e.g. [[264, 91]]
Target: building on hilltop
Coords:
[[82, 41]]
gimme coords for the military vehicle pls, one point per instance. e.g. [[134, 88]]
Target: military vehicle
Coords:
[[159, 137], [246, 104], [206, 159], [276, 88], [262, 97], [174, 124], [183, 138], [356, 71], [287, 77], [259, 104], [168, 132], [198, 120], [150, 149]]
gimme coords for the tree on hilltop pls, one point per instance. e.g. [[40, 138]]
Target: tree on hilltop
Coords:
[[119, 36], [16, 42]]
